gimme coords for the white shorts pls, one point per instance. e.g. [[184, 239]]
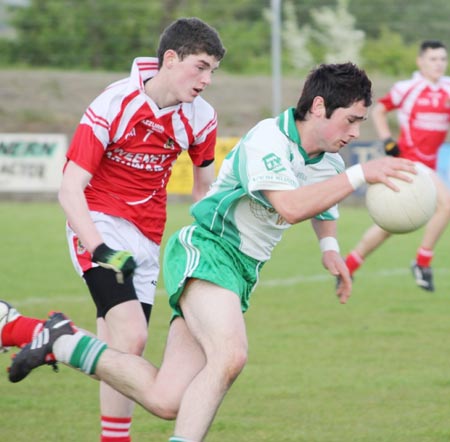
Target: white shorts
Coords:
[[120, 234]]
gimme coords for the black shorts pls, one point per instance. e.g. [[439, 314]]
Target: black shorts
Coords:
[[107, 292]]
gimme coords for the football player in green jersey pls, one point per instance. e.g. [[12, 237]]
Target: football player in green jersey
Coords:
[[284, 171]]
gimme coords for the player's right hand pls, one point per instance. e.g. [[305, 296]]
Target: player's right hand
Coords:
[[391, 147], [120, 261]]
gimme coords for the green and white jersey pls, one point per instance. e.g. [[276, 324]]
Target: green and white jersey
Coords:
[[268, 157]]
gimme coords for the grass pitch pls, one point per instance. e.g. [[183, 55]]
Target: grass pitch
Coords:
[[374, 370]]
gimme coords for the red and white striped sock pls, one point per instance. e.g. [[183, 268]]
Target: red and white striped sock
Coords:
[[115, 429]]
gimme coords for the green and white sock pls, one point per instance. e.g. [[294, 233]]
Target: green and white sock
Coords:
[[79, 351]]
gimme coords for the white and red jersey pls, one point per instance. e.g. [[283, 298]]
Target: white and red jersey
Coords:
[[129, 145], [423, 110]]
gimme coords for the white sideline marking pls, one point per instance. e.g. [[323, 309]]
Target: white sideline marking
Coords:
[[325, 276], [285, 282]]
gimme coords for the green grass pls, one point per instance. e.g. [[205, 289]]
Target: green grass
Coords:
[[374, 370]]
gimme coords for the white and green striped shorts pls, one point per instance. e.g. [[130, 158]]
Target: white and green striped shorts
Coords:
[[194, 252]]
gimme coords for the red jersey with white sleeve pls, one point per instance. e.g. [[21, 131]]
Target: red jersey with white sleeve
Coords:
[[423, 110], [129, 145]]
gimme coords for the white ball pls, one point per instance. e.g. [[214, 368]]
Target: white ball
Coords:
[[406, 210]]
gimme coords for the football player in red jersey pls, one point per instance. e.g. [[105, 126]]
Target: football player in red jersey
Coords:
[[423, 108], [113, 190]]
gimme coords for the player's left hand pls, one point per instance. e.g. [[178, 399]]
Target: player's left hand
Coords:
[[334, 263], [391, 147], [120, 261]]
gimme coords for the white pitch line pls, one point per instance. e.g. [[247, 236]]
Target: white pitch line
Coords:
[[285, 282], [325, 276]]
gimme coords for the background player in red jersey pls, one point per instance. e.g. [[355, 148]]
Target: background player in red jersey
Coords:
[[423, 108], [113, 189]]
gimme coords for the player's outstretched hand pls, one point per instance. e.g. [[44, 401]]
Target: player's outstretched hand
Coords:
[[334, 263], [381, 169], [120, 261]]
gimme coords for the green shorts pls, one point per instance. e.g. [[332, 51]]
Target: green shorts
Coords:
[[194, 252]]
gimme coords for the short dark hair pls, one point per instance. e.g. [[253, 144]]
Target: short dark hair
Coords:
[[431, 44], [187, 36], [340, 85]]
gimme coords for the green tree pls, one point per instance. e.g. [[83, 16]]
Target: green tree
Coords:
[[107, 34], [414, 20], [389, 54], [242, 27], [85, 33]]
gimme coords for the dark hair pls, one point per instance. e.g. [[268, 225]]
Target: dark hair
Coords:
[[187, 36], [340, 85], [431, 44]]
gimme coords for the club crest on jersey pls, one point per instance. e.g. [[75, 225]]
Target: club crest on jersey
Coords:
[[170, 144], [266, 213], [80, 248], [272, 163]]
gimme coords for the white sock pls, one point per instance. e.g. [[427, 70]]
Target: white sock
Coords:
[[64, 346], [79, 351]]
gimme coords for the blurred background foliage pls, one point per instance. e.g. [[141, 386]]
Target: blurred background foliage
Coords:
[[380, 35]]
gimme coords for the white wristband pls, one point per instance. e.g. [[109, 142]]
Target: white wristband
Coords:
[[356, 176], [329, 243]]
